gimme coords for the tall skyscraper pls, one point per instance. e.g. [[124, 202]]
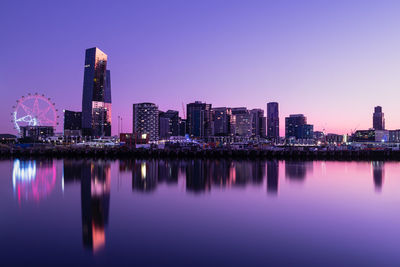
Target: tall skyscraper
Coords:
[[199, 119], [96, 100], [145, 120], [378, 119], [273, 120]]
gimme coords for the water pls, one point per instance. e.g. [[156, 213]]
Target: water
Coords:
[[199, 213]]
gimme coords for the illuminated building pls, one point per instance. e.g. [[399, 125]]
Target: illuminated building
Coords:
[[378, 119], [199, 119], [221, 123], [241, 122], [37, 132], [371, 136], [257, 123], [96, 100], [72, 123], [273, 120], [146, 121]]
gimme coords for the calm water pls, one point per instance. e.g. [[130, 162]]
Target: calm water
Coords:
[[199, 212]]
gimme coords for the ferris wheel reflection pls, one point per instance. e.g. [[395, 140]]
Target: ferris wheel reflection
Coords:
[[33, 180]]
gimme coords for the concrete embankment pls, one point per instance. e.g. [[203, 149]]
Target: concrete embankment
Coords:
[[124, 152]]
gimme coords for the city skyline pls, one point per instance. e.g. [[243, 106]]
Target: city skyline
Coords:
[[330, 62]]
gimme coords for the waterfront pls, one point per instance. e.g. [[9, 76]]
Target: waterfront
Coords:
[[200, 212]]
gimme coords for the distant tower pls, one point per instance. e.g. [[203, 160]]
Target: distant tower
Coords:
[[378, 119], [96, 100], [273, 120]]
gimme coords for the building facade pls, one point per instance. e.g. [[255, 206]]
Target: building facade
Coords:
[[241, 122], [146, 121], [273, 120], [221, 123], [296, 126], [37, 132], [258, 123], [199, 119], [96, 100], [169, 124], [72, 123], [378, 119]]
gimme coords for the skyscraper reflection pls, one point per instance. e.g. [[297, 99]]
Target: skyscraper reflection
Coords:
[[95, 179], [378, 172], [297, 170], [144, 175], [272, 176], [197, 176]]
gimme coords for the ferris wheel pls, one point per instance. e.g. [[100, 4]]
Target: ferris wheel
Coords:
[[34, 110]]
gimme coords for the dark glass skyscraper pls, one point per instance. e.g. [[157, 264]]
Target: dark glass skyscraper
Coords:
[[96, 100], [199, 119], [273, 120], [378, 119]]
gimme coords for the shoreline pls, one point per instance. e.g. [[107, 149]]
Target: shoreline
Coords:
[[124, 153]]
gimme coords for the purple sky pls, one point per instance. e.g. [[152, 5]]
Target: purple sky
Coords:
[[331, 60]]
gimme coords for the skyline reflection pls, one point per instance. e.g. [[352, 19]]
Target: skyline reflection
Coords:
[[95, 181]]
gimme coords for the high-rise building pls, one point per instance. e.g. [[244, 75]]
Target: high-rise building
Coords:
[[72, 123], [273, 120], [241, 122], [96, 100], [378, 119], [257, 123], [169, 124], [296, 126], [145, 121], [221, 121], [199, 119]]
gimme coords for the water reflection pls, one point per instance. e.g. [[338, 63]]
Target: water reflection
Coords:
[[33, 180], [378, 171], [272, 177], [200, 175], [95, 180], [297, 170]]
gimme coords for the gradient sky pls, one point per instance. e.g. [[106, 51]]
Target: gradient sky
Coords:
[[330, 60]]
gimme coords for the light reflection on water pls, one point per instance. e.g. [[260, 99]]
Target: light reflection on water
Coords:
[[176, 206]]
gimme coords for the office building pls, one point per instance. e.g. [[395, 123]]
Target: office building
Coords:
[[199, 119], [273, 120], [296, 126], [221, 123], [241, 122], [72, 123], [258, 123], [146, 121], [169, 124], [96, 100], [37, 132], [378, 119]]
